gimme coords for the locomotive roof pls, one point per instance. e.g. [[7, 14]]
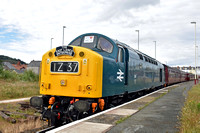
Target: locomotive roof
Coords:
[[118, 43]]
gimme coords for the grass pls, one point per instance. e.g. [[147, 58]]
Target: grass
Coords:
[[14, 85], [122, 119], [190, 114], [17, 89]]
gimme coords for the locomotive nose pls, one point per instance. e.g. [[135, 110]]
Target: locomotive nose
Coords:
[[72, 71]]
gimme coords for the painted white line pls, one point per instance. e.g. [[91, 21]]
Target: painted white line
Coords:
[[15, 100], [100, 113], [163, 91]]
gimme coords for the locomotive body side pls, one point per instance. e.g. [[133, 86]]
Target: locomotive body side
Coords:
[[130, 71], [144, 72]]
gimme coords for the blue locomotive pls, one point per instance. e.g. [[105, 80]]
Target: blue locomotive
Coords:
[[92, 73]]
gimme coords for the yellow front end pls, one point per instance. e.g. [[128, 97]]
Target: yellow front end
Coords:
[[86, 82]]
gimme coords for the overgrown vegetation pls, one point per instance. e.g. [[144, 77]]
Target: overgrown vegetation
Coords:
[[14, 85], [190, 115], [23, 122], [12, 75]]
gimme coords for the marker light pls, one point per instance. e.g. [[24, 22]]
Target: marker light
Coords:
[[50, 54], [89, 87], [81, 54]]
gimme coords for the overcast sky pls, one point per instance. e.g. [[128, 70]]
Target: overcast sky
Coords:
[[27, 26]]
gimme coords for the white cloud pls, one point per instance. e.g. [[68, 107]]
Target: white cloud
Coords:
[[167, 22]]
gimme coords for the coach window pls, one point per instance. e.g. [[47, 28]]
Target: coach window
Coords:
[[76, 42], [121, 55], [105, 45]]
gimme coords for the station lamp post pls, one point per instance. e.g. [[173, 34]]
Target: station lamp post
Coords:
[[63, 35], [138, 38], [197, 63], [155, 48], [51, 43], [195, 52]]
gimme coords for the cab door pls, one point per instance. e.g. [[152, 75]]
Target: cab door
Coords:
[[122, 74]]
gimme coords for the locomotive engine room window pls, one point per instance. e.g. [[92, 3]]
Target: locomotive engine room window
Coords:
[[89, 41], [121, 55], [105, 45], [141, 57], [76, 42]]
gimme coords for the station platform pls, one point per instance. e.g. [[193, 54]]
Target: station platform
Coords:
[[155, 112]]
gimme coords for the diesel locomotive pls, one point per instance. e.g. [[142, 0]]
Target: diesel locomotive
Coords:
[[92, 73]]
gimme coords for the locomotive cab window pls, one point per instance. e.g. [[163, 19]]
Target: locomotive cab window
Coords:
[[76, 42], [89, 41], [121, 55], [105, 45]]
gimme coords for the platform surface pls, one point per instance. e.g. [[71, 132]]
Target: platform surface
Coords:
[[161, 116]]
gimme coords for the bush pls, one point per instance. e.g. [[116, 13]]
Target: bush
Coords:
[[29, 76], [12, 75]]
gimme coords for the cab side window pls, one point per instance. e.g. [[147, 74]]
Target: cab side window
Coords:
[[105, 45], [120, 55]]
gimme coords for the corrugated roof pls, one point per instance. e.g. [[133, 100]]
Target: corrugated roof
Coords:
[[9, 65]]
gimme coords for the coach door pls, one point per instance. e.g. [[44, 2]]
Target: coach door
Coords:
[[122, 74], [160, 75]]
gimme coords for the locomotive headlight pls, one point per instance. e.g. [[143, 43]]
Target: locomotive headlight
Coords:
[[50, 54], [89, 87], [81, 54]]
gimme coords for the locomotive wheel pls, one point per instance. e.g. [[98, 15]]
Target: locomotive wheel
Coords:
[[72, 113]]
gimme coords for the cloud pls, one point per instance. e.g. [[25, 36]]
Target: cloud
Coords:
[[26, 27]]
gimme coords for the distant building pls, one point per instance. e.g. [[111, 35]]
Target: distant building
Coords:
[[190, 69], [19, 68], [8, 66], [34, 66]]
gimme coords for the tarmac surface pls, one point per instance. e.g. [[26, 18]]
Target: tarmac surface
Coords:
[[161, 116]]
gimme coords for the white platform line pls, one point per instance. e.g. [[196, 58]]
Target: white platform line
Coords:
[[100, 113], [16, 100]]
